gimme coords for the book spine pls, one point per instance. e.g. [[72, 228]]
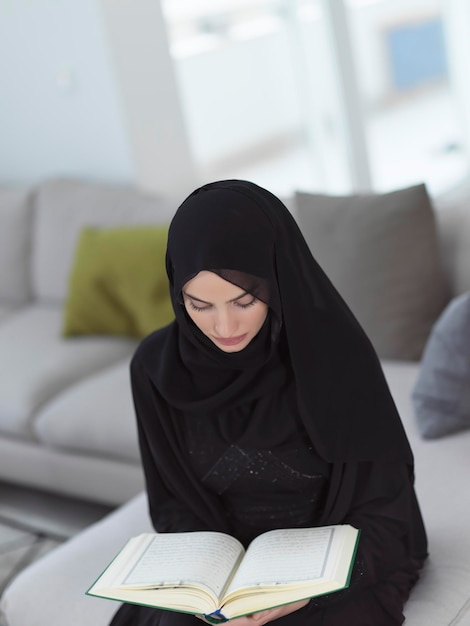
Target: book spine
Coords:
[[217, 617]]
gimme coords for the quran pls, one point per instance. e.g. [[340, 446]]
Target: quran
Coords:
[[211, 574]]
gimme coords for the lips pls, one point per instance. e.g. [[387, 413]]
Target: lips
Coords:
[[230, 341]]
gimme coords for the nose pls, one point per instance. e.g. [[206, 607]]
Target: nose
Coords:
[[225, 324]]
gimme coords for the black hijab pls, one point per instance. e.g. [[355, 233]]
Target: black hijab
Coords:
[[247, 236]]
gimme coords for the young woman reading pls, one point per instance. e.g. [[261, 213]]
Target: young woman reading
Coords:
[[263, 405]]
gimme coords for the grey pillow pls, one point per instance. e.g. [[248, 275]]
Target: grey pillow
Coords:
[[381, 252], [441, 396]]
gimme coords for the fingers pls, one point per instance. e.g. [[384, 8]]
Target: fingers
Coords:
[[264, 617]]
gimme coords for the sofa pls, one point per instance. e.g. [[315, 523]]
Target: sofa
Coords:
[[66, 415], [52, 590]]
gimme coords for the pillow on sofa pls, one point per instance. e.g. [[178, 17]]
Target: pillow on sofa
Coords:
[[118, 283], [63, 207], [441, 396], [381, 252], [15, 245]]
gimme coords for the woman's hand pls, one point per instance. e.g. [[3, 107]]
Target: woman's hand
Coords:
[[264, 617]]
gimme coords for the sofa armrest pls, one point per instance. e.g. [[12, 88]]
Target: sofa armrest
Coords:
[[52, 590]]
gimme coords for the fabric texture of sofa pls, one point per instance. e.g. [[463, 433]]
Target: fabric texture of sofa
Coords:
[[71, 423]]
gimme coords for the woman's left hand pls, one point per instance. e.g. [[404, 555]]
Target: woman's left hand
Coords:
[[264, 617]]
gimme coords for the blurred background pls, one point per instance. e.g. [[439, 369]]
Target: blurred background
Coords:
[[325, 95]]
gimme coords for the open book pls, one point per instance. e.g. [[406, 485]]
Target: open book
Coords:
[[211, 574]]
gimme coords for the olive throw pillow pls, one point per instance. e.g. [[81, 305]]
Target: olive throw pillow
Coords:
[[118, 283], [441, 396]]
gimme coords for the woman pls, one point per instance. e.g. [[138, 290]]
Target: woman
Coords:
[[264, 406]]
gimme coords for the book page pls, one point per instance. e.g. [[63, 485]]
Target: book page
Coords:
[[181, 558], [285, 556]]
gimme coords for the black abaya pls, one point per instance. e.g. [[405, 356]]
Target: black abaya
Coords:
[[339, 402]]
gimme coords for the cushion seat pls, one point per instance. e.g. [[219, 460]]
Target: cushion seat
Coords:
[[442, 596], [94, 416], [36, 363]]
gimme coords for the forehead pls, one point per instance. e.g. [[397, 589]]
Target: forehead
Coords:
[[209, 284]]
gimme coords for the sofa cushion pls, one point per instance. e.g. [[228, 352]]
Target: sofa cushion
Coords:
[[442, 596], [36, 363], [75, 474], [381, 252], [15, 245], [94, 416], [6, 312], [64, 207], [118, 284], [441, 396]]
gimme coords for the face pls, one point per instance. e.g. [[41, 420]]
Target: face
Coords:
[[225, 313]]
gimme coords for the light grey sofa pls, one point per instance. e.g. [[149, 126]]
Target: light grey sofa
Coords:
[[52, 591], [66, 415]]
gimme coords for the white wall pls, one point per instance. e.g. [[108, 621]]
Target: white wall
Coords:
[[87, 89], [59, 111]]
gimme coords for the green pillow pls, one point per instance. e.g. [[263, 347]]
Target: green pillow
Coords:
[[118, 283]]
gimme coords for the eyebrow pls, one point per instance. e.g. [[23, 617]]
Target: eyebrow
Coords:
[[245, 293]]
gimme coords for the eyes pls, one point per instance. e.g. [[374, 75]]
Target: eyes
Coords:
[[239, 304]]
